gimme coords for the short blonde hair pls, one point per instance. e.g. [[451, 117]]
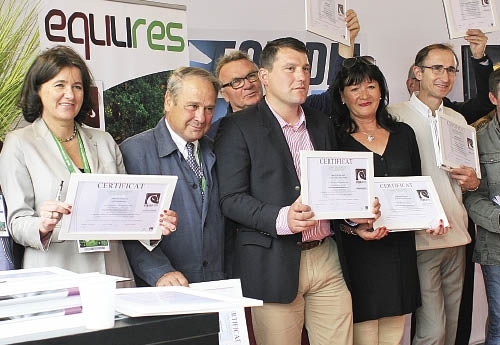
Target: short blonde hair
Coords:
[[235, 55]]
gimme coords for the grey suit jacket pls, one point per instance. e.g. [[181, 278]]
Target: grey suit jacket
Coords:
[[31, 169], [196, 249]]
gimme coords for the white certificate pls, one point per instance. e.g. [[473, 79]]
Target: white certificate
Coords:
[[232, 323], [116, 206], [337, 184], [462, 15], [408, 203], [327, 18], [457, 144]]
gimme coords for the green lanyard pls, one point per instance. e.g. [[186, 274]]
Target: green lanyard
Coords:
[[67, 160]]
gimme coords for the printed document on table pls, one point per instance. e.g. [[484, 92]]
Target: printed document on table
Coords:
[[408, 203], [327, 18], [173, 300], [233, 326]]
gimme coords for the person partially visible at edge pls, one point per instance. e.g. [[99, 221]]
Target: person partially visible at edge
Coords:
[[241, 87], [6, 250], [440, 259], [472, 109], [485, 212], [55, 98], [194, 252], [281, 255]]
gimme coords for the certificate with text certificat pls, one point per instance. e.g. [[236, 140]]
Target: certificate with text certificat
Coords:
[[337, 184], [408, 203], [457, 144], [116, 206]]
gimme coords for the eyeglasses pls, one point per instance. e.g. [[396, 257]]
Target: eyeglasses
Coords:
[[439, 69], [237, 83], [351, 62]]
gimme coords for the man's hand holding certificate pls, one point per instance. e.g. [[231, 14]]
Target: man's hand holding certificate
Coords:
[[457, 145], [337, 184]]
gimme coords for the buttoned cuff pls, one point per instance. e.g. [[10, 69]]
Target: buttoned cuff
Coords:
[[282, 222]]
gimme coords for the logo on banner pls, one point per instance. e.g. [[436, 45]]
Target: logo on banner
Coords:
[[318, 55], [81, 28]]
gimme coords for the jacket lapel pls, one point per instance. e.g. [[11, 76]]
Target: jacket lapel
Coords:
[[318, 134], [274, 133]]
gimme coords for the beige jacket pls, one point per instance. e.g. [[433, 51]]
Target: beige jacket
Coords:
[[450, 193], [31, 169]]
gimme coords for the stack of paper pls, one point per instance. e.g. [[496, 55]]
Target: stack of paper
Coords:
[[38, 300]]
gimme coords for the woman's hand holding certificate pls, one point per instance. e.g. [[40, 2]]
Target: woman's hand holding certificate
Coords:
[[410, 203], [364, 228], [439, 230]]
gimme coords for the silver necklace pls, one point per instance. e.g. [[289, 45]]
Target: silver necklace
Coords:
[[71, 137], [370, 137]]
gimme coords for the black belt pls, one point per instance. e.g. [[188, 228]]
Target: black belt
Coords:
[[309, 245]]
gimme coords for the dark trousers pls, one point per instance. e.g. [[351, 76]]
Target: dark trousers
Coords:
[[465, 315]]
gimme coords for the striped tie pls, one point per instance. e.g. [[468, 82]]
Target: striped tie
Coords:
[[193, 164]]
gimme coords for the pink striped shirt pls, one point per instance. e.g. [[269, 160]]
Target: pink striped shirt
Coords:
[[298, 139]]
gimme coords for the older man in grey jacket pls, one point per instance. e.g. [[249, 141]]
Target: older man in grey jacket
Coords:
[[194, 252]]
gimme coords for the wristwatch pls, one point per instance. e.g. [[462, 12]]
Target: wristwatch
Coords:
[[351, 223]]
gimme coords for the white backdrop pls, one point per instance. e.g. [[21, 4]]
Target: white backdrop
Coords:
[[391, 30]]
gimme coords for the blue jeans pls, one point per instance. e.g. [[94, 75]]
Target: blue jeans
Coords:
[[491, 275]]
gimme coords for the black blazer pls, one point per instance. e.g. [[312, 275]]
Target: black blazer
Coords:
[[256, 179]]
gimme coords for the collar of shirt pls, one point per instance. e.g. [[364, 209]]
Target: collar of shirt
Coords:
[[422, 108], [283, 123], [181, 143]]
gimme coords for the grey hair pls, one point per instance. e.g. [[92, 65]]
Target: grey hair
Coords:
[[175, 82]]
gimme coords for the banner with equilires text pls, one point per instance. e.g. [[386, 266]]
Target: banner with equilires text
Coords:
[[128, 47]]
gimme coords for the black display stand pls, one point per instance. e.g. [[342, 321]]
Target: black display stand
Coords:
[[192, 329]]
